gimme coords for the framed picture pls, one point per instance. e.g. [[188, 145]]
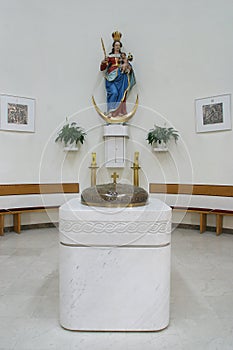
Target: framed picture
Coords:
[[17, 113], [213, 113]]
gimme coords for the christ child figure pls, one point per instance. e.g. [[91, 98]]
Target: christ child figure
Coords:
[[125, 66]]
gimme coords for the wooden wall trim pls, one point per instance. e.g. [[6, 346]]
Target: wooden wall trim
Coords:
[[204, 190], [17, 189]]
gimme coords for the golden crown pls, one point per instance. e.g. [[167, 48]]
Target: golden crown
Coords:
[[116, 36]]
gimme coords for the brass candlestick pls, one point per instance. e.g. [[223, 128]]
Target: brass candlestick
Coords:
[[136, 168], [93, 168]]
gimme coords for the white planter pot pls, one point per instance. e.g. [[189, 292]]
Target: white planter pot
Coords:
[[71, 147], [160, 146]]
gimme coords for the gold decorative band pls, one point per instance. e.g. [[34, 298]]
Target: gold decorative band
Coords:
[[111, 205], [115, 245]]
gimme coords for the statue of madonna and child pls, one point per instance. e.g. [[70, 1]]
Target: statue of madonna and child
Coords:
[[119, 80]]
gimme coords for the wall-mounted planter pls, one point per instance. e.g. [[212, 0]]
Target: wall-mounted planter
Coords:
[[159, 136], [160, 146], [71, 148], [71, 135]]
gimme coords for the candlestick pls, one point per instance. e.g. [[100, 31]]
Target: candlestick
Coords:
[[93, 168], [136, 168]]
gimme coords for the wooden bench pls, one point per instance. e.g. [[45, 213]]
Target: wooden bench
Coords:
[[201, 194], [14, 199]]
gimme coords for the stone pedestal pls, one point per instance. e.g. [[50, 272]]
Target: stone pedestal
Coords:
[[115, 145], [115, 267]]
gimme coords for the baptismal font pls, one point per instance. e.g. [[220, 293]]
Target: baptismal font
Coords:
[[115, 239], [114, 194]]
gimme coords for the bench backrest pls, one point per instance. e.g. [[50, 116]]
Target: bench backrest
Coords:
[[203, 190], [23, 189]]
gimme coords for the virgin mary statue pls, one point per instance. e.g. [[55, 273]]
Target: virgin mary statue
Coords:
[[119, 78]]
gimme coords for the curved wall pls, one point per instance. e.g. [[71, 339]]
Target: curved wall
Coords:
[[51, 51]]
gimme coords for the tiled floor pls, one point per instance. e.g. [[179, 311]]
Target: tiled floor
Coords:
[[201, 297]]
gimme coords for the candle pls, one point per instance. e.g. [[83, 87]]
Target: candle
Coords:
[[136, 156], [93, 159]]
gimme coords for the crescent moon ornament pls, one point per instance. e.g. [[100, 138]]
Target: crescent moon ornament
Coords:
[[117, 119]]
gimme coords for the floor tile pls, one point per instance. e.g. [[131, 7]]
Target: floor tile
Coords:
[[201, 308]]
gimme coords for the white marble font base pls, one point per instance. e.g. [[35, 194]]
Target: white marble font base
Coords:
[[115, 267]]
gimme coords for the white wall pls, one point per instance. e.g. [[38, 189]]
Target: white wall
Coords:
[[50, 50]]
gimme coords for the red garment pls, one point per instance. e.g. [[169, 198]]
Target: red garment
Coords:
[[121, 109], [113, 62]]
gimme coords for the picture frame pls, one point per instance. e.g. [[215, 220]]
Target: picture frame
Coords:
[[17, 113], [213, 113]]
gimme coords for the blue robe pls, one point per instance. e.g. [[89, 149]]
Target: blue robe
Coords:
[[118, 84]]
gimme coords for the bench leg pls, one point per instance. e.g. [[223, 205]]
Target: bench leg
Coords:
[[17, 222], [203, 222], [219, 220], [1, 225]]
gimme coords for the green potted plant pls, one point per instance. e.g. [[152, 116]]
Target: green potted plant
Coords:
[[159, 137], [71, 135]]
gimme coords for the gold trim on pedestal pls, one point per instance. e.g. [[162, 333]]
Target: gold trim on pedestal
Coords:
[[112, 205]]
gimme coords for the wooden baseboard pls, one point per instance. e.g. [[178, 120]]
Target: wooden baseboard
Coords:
[[32, 226]]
